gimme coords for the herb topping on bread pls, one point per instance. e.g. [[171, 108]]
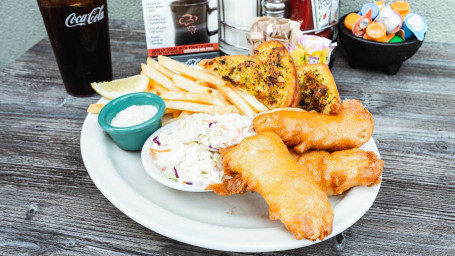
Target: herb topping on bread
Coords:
[[269, 75]]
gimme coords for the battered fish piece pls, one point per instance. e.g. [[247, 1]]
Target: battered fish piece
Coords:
[[341, 170], [263, 164], [349, 125]]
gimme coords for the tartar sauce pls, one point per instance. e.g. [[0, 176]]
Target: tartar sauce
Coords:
[[188, 154], [134, 115]]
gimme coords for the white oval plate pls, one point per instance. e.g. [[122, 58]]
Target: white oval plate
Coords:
[[236, 223]]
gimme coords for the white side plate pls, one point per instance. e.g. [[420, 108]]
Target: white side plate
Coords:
[[155, 172]]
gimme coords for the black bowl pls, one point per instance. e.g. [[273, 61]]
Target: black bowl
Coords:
[[366, 53]]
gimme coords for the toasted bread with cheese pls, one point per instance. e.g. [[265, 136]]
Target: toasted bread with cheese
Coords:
[[318, 90], [269, 75]]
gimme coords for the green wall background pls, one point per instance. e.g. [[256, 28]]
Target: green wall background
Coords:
[[21, 25]]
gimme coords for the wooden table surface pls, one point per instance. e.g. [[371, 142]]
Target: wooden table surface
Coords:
[[49, 205]]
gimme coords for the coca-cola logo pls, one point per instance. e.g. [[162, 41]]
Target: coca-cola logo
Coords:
[[95, 15]]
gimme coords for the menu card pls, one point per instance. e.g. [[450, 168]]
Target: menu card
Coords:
[[175, 27]]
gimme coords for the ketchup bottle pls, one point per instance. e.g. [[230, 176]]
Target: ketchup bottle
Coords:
[[302, 11]]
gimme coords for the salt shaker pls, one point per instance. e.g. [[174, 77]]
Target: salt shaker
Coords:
[[276, 8]]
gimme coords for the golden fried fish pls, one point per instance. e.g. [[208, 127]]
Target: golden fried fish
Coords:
[[263, 164], [349, 125], [341, 170]]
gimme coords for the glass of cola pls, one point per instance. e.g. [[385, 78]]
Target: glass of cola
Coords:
[[79, 35]]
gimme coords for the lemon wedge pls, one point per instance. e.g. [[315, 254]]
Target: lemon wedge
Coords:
[[116, 88]]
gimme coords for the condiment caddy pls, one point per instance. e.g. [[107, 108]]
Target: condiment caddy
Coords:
[[389, 23]]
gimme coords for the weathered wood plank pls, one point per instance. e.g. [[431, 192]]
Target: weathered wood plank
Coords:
[[49, 205]]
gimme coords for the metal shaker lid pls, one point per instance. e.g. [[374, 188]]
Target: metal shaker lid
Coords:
[[276, 8]]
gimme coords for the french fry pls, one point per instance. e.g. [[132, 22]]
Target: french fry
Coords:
[[193, 97], [184, 114], [162, 69], [188, 85], [169, 111], [95, 108], [219, 100], [152, 90], [254, 103], [235, 99], [206, 84], [199, 108], [160, 90], [176, 114], [197, 74], [216, 92], [143, 69], [188, 77], [159, 78], [220, 96], [223, 99], [210, 72]]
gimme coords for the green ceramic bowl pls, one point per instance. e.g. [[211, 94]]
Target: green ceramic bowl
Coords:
[[133, 137]]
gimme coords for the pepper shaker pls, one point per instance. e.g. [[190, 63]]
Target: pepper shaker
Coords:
[[276, 8]]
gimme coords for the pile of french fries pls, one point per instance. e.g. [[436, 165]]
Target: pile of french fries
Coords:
[[186, 90]]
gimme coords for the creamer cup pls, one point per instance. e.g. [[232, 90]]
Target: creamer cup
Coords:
[[391, 19], [376, 32], [389, 37], [402, 7], [350, 20], [360, 26], [414, 25], [380, 4], [401, 33], [373, 7], [396, 39]]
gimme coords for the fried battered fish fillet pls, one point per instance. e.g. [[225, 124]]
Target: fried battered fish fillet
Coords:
[[349, 125], [263, 164], [341, 170]]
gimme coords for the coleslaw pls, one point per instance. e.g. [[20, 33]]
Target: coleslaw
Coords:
[[189, 154]]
